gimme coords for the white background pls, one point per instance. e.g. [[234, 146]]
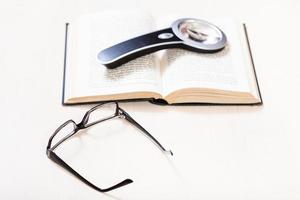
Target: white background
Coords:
[[219, 152]]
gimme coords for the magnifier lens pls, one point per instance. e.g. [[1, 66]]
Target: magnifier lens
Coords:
[[200, 32]]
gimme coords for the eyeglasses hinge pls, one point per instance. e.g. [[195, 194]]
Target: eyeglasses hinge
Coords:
[[121, 114]]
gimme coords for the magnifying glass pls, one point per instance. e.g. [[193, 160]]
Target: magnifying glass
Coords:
[[187, 33]]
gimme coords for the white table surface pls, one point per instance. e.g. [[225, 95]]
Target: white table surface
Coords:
[[219, 152]]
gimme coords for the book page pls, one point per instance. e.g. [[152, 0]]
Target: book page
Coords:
[[98, 31], [224, 70]]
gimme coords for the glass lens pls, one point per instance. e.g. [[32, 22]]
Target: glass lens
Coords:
[[200, 31], [63, 132], [102, 112]]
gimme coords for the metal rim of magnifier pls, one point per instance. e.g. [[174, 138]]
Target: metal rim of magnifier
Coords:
[[196, 44]]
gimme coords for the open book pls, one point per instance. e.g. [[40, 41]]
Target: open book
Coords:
[[172, 76]]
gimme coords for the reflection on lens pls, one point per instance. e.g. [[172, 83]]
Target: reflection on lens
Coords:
[[200, 32], [102, 112], [62, 133]]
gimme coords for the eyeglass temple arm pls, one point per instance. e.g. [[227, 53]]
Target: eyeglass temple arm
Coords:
[[136, 124], [63, 164]]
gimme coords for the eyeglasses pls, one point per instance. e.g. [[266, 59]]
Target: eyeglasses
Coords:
[[95, 115]]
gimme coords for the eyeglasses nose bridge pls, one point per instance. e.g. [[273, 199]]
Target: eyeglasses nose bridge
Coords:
[[84, 120]]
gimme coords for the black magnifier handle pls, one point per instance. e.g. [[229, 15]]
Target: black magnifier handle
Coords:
[[125, 51]]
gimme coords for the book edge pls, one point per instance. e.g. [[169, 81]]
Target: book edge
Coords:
[[65, 65], [253, 65]]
